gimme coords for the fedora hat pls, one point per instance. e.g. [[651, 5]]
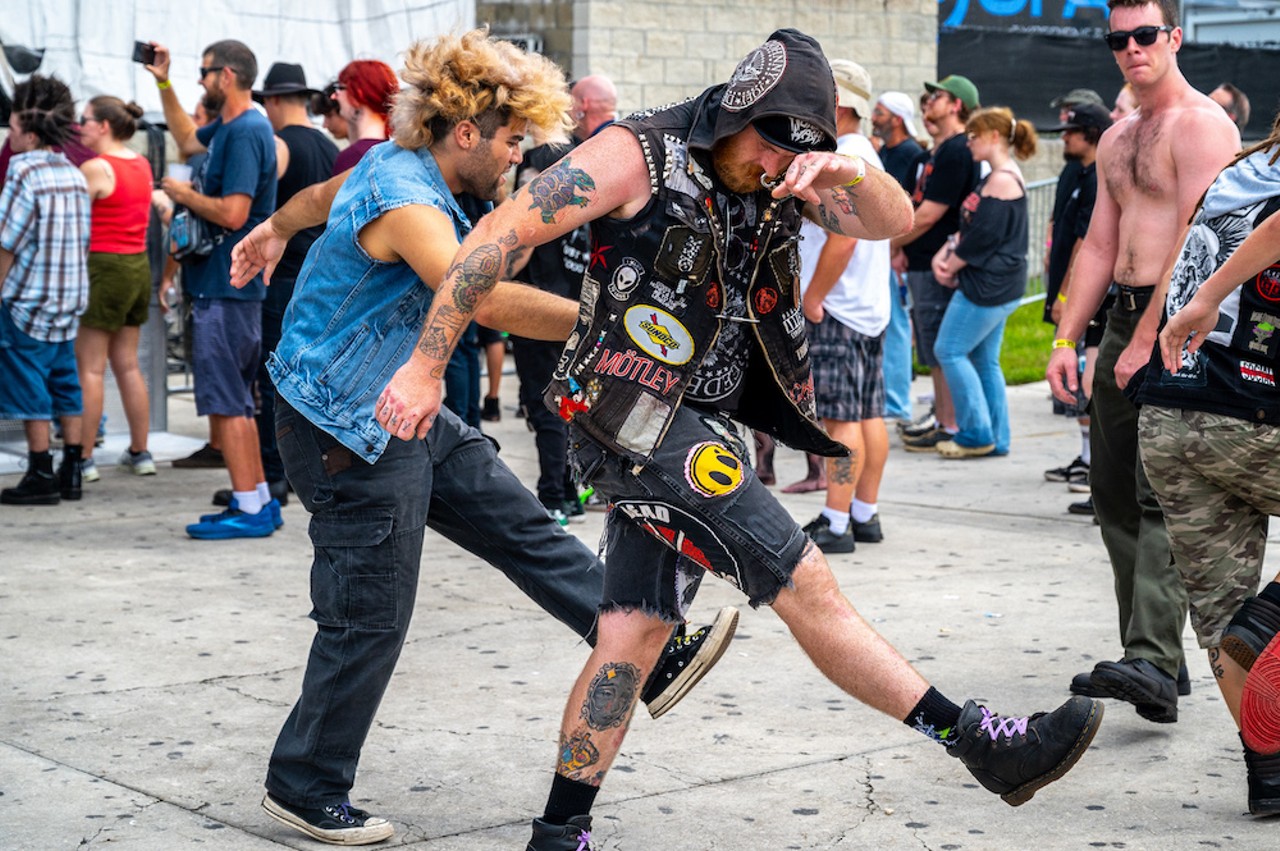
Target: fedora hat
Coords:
[[284, 78]]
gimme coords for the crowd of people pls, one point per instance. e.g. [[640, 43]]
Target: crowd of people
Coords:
[[760, 263]]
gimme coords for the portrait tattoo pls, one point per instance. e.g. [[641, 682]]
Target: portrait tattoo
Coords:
[[576, 753], [610, 696], [477, 276], [557, 188]]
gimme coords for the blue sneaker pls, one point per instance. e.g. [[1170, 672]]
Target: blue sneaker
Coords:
[[234, 523], [277, 519]]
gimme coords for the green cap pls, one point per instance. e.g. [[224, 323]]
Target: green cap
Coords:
[[959, 87]]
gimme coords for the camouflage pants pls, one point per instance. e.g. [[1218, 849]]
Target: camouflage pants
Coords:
[[1218, 480]]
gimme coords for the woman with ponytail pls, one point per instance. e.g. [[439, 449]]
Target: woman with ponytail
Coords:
[[120, 183], [987, 262]]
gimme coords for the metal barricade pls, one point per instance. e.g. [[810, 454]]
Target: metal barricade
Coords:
[[1039, 212]]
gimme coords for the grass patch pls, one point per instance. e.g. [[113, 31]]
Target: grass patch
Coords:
[[1028, 340]]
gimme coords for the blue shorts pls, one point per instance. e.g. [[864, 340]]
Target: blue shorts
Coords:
[[697, 506], [38, 380], [226, 342]]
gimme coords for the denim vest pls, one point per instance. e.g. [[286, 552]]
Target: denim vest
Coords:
[[353, 320], [653, 304]]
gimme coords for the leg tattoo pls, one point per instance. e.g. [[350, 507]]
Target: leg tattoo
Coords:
[[611, 695]]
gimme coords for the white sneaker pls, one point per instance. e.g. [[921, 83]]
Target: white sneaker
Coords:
[[141, 463], [89, 471]]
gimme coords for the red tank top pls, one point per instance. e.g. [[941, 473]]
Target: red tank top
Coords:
[[119, 224]]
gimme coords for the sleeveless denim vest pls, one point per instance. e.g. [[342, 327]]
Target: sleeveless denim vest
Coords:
[[353, 320], [653, 304]]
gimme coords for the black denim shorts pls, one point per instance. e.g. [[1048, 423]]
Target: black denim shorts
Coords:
[[697, 506]]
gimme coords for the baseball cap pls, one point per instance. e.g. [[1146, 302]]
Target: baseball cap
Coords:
[[959, 87], [1084, 117], [853, 86], [772, 90], [903, 106], [1075, 97]]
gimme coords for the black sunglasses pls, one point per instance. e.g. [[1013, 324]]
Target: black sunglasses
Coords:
[[204, 72], [1145, 37]]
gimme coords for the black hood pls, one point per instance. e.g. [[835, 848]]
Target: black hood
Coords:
[[786, 82]]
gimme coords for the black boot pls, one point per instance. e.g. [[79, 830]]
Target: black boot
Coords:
[[38, 487], [69, 477], [573, 836], [1263, 773]]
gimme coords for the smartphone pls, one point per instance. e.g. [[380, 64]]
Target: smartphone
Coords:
[[144, 53]]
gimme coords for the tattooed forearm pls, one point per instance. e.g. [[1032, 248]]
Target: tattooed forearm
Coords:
[[1215, 662], [476, 277], [576, 754], [844, 200], [840, 471], [611, 696], [557, 188], [829, 220], [438, 337]]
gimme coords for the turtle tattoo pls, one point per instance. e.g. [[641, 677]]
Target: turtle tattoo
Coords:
[[556, 188]]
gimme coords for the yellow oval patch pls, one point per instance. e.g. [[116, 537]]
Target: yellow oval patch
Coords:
[[712, 470]]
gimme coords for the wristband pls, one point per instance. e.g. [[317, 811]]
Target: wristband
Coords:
[[1063, 343], [1062, 298], [163, 84], [862, 172]]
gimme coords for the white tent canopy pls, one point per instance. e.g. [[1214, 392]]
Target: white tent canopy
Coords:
[[89, 43]]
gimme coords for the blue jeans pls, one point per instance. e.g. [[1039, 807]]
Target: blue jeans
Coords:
[[367, 528], [897, 355], [462, 378], [968, 350]]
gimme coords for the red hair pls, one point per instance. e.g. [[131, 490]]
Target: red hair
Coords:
[[371, 84]]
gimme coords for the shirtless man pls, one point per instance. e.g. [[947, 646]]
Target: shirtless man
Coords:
[[1153, 165]]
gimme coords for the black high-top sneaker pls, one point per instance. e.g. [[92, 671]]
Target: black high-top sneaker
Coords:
[[38, 487], [574, 836], [686, 660], [1015, 757], [1263, 773], [69, 473]]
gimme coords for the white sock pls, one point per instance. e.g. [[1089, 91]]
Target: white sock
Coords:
[[264, 493], [839, 520], [1085, 453], [248, 501], [861, 511]]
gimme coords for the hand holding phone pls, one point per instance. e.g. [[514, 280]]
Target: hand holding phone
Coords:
[[144, 53]]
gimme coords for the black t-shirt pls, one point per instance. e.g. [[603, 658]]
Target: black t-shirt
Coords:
[[1066, 181], [1070, 224], [993, 241], [903, 161], [557, 266], [311, 156], [947, 178]]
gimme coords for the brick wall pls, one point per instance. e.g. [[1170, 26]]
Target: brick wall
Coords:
[[658, 51]]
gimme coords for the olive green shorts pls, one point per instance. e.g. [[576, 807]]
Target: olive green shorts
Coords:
[[119, 290]]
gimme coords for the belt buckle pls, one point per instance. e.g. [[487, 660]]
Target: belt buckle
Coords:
[[1130, 300]]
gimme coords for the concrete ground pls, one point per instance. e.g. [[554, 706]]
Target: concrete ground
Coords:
[[145, 675]]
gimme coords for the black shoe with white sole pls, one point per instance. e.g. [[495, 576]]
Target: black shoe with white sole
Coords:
[[337, 824]]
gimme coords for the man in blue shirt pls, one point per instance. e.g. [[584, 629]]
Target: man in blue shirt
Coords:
[[233, 191]]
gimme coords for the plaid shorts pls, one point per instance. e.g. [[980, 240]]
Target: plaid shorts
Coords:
[[848, 372]]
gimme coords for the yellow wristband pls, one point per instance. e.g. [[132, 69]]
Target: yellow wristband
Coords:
[[1062, 343], [1062, 297], [163, 84], [862, 172]]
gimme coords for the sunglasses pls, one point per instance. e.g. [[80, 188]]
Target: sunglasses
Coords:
[[1144, 36], [204, 72], [86, 118]]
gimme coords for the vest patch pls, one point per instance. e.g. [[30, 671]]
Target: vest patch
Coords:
[[658, 334], [626, 278], [1257, 373], [685, 534], [1268, 283], [755, 76], [712, 470], [632, 366]]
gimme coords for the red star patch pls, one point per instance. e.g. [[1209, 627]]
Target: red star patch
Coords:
[[597, 255]]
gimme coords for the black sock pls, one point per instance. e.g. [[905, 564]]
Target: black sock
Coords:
[[568, 798], [1271, 593], [934, 715]]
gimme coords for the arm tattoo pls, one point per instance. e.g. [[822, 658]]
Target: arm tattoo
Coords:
[[844, 200], [1214, 656], [477, 276], [611, 695], [841, 472], [556, 188], [576, 753], [829, 220]]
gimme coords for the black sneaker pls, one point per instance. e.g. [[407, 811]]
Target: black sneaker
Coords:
[[1250, 631], [926, 423], [337, 824], [1076, 471], [574, 836], [206, 457], [1082, 684], [819, 530], [37, 487], [1153, 692], [867, 533], [1263, 773], [574, 511], [927, 442], [1016, 757], [491, 411], [1084, 508], [687, 659]]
